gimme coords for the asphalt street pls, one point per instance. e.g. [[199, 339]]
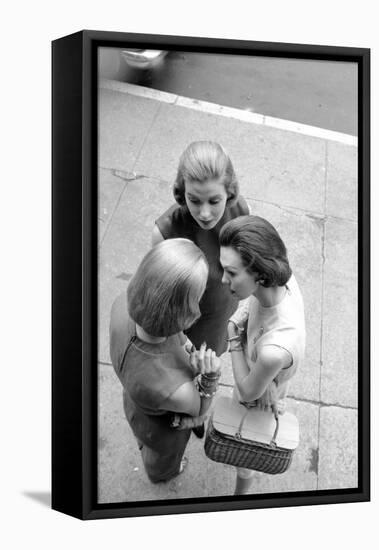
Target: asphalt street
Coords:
[[313, 92]]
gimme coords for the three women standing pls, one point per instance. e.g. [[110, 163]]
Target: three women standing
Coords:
[[180, 287]]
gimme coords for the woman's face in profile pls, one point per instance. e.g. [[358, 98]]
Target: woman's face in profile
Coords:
[[241, 282], [206, 202]]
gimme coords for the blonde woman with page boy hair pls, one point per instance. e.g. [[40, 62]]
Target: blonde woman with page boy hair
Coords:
[[207, 194], [166, 390]]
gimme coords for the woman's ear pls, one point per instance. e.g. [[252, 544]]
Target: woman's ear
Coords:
[[232, 198]]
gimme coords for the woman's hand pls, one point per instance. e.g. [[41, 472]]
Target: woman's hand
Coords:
[[188, 422], [238, 321], [269, 399], [205, 361]]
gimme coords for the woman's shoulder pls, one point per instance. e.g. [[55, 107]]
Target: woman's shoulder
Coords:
[[275, 357], [173, 222], [239, 208], [286, 326]]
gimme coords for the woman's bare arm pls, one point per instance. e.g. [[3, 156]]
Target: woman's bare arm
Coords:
[[187, 399], [252, 384]]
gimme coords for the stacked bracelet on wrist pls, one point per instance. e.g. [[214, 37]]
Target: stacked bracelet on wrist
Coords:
[[235, 343], [207, 384]]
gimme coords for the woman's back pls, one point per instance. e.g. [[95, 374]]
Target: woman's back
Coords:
[[150, 373]]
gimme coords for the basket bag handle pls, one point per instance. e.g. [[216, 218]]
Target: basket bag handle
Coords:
[[239, 431]]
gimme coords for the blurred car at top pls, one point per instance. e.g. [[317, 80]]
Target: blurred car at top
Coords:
[[143, 59]]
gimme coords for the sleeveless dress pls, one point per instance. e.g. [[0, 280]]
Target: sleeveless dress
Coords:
[[149, 374], [217, 303], [282, 325]]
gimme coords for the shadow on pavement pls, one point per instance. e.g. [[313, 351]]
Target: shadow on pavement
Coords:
[[42, 497]]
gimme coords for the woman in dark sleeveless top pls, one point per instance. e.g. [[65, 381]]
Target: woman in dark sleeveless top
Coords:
[[206, 190], [146, 347]]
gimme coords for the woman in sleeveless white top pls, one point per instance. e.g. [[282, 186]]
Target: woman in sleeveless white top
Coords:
[[267, 334]]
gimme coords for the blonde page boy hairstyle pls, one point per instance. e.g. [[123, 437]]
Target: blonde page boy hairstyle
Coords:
[[164, 293], [261, 249], [202, 161]]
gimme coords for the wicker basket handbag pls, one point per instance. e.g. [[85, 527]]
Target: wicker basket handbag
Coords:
[[250, 437]]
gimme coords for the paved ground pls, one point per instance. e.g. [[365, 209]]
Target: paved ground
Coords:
[[306, 186]]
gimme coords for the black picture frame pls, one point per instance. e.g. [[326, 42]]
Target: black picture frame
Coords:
[[75, 278]]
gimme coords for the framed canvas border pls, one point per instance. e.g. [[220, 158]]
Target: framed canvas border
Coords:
[[74, 274]]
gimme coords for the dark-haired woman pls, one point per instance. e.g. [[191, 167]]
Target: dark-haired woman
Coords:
[[267, 338], [166, 391]]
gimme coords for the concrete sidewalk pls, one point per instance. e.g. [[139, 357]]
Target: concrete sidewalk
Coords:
[[304, 181]]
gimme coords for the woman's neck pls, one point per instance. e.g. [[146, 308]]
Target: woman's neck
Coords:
[[145, 337], [270, 296]]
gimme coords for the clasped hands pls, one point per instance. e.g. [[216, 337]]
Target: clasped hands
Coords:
[[204, 360]]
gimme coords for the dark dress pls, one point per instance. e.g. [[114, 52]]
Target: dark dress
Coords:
[[149, 374], [217, 303]]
